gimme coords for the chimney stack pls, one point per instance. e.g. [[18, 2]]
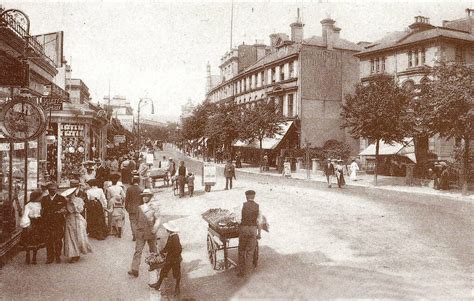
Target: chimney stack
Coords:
[[421, 23], [327, 32], [297, 29]]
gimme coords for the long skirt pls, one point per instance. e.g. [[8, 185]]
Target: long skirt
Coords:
[[76, 241], [32, 237], [96, 226]]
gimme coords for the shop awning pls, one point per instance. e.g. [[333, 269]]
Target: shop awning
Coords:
[[267, 143], [407, 149]]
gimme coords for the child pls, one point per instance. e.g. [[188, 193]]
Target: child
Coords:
[[190, 181], [116, 209], [173, 259]]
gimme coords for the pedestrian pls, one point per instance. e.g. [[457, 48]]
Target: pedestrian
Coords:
[[329, 172], [444, 180], [96, 206], [339, 170], [173, 259], [102, 174], [132, 166], [265, 162], [125, 171], [229, 173], [181, 178], [172, 167], [53, 209], [238, 160], [438, 169], [32, 235], [143, 171], [133, 199], [114, 166], [190, 182], [148, 221], [249, 232], [90, 173], [76, 241], [117, 215], [354, 169]]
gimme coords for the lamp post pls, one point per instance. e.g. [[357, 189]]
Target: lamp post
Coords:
[[144, 101]]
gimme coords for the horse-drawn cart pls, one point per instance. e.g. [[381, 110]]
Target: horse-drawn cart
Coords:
[[222, 229]]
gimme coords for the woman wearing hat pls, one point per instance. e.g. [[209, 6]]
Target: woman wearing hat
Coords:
[[354, 169], [31, 236], [114, 191], [340, 173], [173, 259], [96, 205], [76, 241]]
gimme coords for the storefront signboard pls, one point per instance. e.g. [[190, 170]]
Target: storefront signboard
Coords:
[[52, 103], [72, 130], [119, 139], [209, 173]]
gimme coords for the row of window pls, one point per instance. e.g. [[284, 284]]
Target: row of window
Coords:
[[377, 65], [257, 80], [416, 57], [279, 103]]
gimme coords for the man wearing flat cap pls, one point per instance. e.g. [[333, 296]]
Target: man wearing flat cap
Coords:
[[249, 232], [53, 209]]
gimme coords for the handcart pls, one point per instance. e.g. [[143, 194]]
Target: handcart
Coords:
[[219, 238]]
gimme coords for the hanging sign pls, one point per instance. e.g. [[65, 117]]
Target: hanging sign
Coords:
[[119, 139], [52, 103]]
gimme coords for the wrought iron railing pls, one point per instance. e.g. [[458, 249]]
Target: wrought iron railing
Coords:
[[10, 22]]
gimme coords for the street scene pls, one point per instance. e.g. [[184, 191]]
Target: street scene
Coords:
[[236, 150]]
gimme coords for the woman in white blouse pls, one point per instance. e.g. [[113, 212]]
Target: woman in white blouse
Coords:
[[31, 237]]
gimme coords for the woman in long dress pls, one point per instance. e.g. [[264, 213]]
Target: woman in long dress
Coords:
[[340, 174], [31, 236], [354, 169], [76, 241], [96, 204]]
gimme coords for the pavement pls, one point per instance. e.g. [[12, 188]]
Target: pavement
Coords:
[[363, 180], [323, 244]]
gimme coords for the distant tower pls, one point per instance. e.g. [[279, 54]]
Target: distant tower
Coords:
[[209, 79]]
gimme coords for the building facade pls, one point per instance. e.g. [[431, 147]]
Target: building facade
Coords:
[[306, 78], [408, 55], [78, 91]]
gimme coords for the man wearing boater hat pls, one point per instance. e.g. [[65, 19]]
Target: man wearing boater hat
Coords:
[[53, 209], [249, 232]]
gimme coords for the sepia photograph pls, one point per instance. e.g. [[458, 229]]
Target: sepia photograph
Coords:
[[236, 150]]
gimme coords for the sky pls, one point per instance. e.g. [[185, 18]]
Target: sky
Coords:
[[160, 49]]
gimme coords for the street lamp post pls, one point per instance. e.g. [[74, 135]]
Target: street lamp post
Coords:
[[145, 101]]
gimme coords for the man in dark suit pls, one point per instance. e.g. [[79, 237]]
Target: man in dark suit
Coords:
[[53, 209], [133, 199], [249, 232], [329, 172]]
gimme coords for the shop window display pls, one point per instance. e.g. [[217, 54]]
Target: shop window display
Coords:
[[73, 151]]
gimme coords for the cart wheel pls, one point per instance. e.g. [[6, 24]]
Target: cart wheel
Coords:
[[211, 251], [255, 256]]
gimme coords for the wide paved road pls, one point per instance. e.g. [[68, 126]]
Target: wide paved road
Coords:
[[323, 243]]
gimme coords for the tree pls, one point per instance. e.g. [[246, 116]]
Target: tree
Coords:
[[260, 121], [450, 111], [223, 125], [378, 110], [336, 149]]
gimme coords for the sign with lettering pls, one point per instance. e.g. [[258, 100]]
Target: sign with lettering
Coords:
[[72, 130], [52, 103], [209, 173], [119, 139]]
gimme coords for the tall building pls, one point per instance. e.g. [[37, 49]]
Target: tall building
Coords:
[[78, 91], [306, 77], [407, 56], [121, 109]]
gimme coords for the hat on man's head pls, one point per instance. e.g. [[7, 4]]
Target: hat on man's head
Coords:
[[171, 226], [146, 192], [69, 191], [52, 185], [250, 193]]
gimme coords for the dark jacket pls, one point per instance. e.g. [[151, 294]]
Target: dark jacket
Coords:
[[173, 249], [182, 171], [250, 212], [329, 170], [133, 199], [52, 214], [229, 170]]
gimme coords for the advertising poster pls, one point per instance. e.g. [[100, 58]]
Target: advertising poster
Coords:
[[209, 174]]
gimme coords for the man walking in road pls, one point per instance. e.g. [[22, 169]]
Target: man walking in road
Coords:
[[53, 210], [148, 221], [181, 178], [133, 199], [329, 172], [249, 232], [229, 173]]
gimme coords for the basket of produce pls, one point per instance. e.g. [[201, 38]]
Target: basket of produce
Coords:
[[221, 220]]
